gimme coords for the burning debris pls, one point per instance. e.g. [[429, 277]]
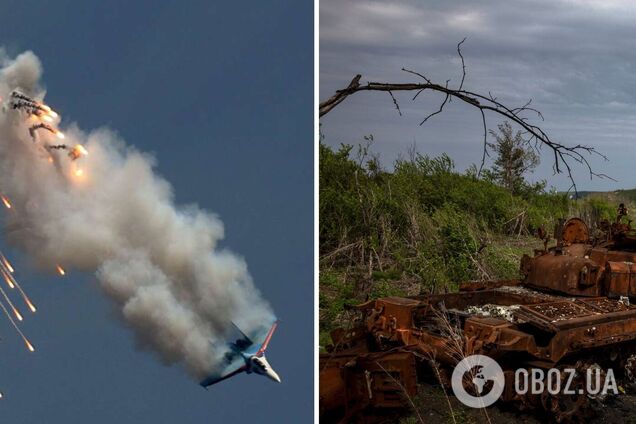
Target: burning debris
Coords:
[[6, 270], [6, 202], [41, 116], [35, 127], [20, 101], [38, 112]]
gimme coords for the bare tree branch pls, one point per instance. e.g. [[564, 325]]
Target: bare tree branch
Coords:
[[563, 154], [459, 52], [397, 106]]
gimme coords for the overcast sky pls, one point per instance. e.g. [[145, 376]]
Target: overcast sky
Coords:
[[575, 59], [222, 94]]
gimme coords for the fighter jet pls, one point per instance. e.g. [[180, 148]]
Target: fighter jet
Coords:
[[245, 356]]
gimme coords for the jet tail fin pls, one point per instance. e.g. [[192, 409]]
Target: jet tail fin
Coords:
[[242, 333]]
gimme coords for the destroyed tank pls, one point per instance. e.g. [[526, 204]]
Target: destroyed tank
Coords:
[[570, 308]]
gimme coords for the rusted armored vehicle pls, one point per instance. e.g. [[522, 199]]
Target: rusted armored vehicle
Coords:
[[570, 308]]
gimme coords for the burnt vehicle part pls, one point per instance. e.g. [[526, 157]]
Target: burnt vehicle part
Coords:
[[570, 309]]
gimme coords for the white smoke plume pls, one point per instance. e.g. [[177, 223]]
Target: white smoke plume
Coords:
[[159, 263]]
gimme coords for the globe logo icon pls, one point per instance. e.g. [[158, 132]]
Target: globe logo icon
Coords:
[[486, 376]]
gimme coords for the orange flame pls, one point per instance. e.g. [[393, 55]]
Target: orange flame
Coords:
[[31, 306], [47, 118], [81, 149], [29, 345], [60, 135], [61, 270], [9, 283], [79, 172], [17, 314], [6, 202], [7, 264]]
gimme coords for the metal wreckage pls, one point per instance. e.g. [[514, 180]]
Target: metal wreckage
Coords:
[[570, 309]]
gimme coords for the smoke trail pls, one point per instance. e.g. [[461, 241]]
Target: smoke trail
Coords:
[[160, 264]]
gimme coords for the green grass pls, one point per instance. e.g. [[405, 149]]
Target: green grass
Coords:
[[424, 227]]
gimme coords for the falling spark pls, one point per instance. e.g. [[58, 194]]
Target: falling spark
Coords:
[[28, 344], [26, 299], [6, 202], [77, 151], [52, 113], [24, 295], [9, 283], [31, 305], [6, 263], [26, 341], [81, 149], [61, 270], [13, 308], [48, 110]]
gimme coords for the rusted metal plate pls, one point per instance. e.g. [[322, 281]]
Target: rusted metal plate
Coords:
[[604, 304], [486, 285], [575, 231], [572, 275], [556, 311], [621, 279], [351, 383]]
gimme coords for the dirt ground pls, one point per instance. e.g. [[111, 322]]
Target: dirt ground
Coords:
[[433, 407]]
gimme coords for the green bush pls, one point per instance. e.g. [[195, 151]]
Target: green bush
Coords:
[[422, 223]]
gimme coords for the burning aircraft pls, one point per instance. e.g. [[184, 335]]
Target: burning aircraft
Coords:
[[55, 199], [245, 356]]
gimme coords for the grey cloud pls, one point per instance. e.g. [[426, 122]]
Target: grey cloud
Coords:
[[574, 59]]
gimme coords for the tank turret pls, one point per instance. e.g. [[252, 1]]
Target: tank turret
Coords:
[[579, 265]]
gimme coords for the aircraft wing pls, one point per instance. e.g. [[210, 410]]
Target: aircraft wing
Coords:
[[236, 367], [268, 337]]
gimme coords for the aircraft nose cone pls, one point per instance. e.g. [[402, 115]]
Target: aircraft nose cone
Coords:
[[272, 374]]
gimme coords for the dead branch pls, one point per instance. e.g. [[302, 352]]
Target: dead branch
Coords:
[[486, 104]]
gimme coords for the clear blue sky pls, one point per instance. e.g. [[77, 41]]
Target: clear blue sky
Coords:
[[222, 94]]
